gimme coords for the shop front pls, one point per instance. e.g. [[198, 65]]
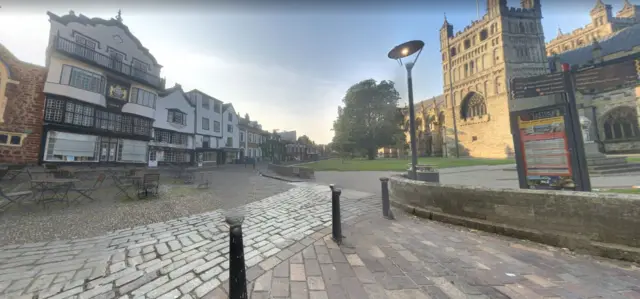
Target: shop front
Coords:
[[77, 132]]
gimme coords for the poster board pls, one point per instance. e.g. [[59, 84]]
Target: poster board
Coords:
[[544, 146]]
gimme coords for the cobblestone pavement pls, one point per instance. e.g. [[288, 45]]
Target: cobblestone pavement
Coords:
[[184, 257], [411, 258], [231, 186]]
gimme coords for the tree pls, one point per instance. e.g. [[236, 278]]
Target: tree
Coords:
[[342, 142], [368, 119]]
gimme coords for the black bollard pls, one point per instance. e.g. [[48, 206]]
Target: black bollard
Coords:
[[386, 207], [237, 274], [335, 214]]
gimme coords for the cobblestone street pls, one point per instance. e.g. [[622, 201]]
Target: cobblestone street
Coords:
[[289, 255], [24, 224]]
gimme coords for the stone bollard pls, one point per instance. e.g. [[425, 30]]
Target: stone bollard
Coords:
[[335, 214], [386, 206], [237, 274]]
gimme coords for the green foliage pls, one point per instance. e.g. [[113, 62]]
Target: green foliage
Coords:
[[368, 120]]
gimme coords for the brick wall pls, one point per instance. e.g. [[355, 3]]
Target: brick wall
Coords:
[[24, 108]]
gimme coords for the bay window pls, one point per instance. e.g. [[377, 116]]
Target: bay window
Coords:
[[143, 97]]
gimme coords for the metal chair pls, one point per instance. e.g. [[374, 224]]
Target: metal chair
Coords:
[[14, 171], [86, 192], [150, 181], [13, 198], [123, 184]]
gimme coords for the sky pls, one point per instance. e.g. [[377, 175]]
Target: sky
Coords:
[[286, 64]]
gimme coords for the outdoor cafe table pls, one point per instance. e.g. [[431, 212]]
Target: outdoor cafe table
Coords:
[[59, 187]]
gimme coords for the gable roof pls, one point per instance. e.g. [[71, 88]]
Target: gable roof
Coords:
[[623, 40], [176, 88], [82, 19], [227, 106]]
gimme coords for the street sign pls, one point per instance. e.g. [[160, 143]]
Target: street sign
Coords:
[[537, 86], [606, 78]]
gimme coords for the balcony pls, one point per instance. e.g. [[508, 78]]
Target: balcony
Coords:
[[91, 56]]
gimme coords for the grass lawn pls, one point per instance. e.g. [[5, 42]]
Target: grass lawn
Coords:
[[398, 164], [633, 159], [624, 191]]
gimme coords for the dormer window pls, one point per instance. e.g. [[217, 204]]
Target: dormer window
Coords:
[[85, 41], [177, 117]]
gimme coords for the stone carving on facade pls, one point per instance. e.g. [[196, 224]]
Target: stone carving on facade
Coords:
[[585, 126]]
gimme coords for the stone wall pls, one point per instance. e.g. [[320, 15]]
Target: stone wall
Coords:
[[23, 103], [595, 223], [292, 171]]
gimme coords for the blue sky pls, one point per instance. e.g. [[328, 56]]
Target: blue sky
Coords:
[[287, 67]]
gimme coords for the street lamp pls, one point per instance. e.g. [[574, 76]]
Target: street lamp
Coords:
[[403, 51]]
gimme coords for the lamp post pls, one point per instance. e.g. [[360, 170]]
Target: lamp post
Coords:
[[397, 53]]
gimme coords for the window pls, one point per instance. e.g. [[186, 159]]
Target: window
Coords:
[[216, 107], [230, 117], [176, 156], [132, 151], [484, 34], [177, 117], [216, 126], [83, 79], [521, 28], [140, 69], [467, 44], [68, 147], [229, 142], [230, 128], [241, 136], [11, 139], [54, 110], [117, 58], [205, 141], [87, 42], [621, 123], [453, 52], [205, 103], [79, 114], [141, 126], [205, 123], [162, 136], [179, 138], [473, 105], [143, 97], [110, 121]]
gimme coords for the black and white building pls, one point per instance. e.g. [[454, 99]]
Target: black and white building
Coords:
[[101, 93], [173, 129]]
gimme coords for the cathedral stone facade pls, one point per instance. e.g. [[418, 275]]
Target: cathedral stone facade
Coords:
[[478, 64]]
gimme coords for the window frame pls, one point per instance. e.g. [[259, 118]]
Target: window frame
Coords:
[[134, 97], [217, 127], [11, 136], [208, 127], [66, 78], [171, 116]]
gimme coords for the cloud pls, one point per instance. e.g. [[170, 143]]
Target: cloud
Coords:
[[278, 98]]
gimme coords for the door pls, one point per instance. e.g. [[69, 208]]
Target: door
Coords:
[[153, 159], [108, 149]]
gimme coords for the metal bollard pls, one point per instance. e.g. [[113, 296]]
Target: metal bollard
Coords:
[[386, 207], [237, 274], [335, 214]]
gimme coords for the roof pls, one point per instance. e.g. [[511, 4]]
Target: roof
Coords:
[[82, 19], [227, 106], [173, 89], [623, 40], [437, 100]]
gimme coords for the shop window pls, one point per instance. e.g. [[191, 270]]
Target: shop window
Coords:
[[132, 151], [68, 147]]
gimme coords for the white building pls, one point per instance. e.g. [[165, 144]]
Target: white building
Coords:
[[251, 138], [231, 134], [208, 127], [101, 92], [173, 128]]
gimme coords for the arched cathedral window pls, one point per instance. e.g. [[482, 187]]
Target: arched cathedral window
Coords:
[[473, 105], [621, 123]]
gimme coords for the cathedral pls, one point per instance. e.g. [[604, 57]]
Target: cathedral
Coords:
[[479, 62]]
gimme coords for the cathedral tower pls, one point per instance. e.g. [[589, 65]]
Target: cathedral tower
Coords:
[[480, 61]]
